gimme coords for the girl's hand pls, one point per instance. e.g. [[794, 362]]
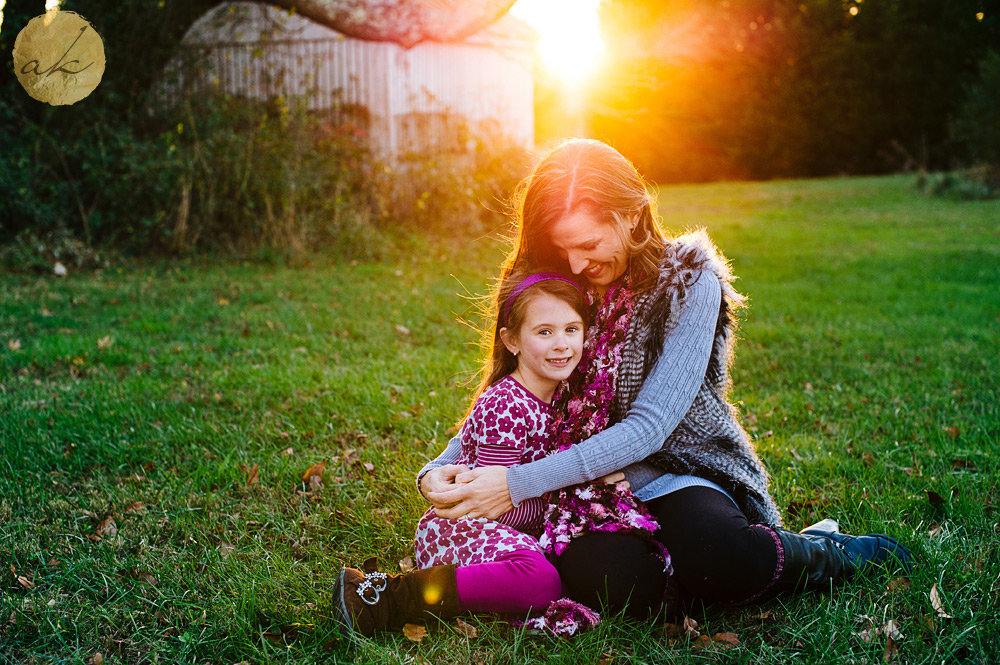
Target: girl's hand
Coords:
[[481, 492], [613, 478], [440, 479]]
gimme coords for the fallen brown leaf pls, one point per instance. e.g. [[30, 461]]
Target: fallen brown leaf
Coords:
[[96, 659], [691, 626], [288, 451], [961, 463], [937, 604], [225, 549], [369, 467], [137, 507], [402, 330], [406, 564], [107, 527], [314, 470], [414, 632], [105, 342], [891, 650], [25, 582], [14, 344], [726, 641], [951, 431], [467, 630], [253, 475], [898, 584], [936, 500], [147, 578]]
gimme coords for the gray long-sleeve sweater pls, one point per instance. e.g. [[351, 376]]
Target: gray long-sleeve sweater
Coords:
[[664, 399]]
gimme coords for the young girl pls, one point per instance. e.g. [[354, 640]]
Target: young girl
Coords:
[[474, 563]]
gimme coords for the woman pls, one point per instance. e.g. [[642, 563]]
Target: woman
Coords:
[[586, 210]]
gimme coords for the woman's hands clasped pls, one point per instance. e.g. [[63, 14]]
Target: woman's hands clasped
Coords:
[[480, 492], [458, 492]]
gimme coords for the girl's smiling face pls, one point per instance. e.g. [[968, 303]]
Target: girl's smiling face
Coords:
[[592, 247], [547, 345]]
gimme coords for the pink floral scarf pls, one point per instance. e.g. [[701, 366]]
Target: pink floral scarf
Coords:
[[581, 408]]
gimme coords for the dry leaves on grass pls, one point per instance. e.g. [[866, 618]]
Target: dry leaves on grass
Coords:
[[937, 604], [719, 641], [141, 575], [890, 629], [678, 631], [898, 584], [937, 501], [465, 629], [253, 476], [406, 564], [107, 527], [105, 343], [283, 635], [14, 344], [414, 632], [314, 476], [138, 507]]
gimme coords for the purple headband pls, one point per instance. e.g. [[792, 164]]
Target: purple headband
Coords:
[[528, 281]]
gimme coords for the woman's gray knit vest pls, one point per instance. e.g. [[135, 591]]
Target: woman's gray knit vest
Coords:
[[709, 441]]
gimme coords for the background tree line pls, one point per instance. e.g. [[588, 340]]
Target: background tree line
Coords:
[[795, 88], [690, 91]]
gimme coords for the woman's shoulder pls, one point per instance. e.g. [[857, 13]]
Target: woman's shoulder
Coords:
[[694, 262]]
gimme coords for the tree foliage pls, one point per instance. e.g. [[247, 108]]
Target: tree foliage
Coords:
[[772, 88]]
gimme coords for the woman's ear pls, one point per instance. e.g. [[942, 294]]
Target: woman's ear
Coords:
[[509, 340]]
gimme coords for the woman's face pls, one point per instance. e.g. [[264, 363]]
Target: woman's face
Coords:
[[591, 247]]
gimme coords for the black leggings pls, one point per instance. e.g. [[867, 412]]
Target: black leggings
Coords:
[[716, 555]]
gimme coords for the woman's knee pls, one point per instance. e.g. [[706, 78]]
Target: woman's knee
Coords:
[[615, 571]]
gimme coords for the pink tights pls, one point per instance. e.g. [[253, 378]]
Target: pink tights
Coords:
[[516, 582]]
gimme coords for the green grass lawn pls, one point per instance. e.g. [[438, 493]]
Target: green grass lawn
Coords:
[[156, 423]]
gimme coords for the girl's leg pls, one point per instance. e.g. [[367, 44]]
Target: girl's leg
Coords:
[[614, 571], [717, 554], [515, 582]]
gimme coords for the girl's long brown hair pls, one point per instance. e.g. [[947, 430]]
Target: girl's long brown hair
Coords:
[[499, 360]]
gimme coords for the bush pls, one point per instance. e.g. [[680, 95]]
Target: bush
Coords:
[[977, 123], [972, 184], [237, 176]]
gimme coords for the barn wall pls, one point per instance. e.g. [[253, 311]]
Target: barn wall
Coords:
[[433, 96]]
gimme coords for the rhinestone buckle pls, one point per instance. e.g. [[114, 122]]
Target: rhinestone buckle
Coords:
[[374, 583]]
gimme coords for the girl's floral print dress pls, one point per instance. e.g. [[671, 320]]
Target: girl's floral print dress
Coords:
[[508, 425]]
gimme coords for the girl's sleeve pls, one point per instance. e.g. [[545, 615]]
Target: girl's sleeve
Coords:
[[449, 455], [662, 402]]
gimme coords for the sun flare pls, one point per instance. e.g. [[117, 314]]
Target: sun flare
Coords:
[[570, 45]]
